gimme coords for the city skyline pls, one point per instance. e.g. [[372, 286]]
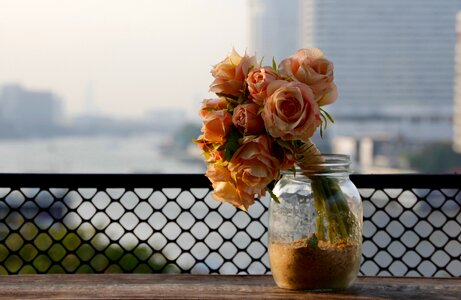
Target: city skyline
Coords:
[[397, 80], [138, 55], [396, 74], [26, 113], [394, 68]]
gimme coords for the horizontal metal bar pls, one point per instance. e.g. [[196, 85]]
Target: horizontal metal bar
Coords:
[[187, 181], [407, 181], [102, 181]]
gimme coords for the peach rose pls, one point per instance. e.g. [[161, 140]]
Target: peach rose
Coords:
[[253, 166], [290, 111], [247, 119], [225, 188], [212, 104], [230, 74], [211, 151], [310, 66], [288, 161], [257, 82], [217, 121]]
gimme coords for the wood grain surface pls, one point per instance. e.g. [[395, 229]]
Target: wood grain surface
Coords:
[[184, 286]]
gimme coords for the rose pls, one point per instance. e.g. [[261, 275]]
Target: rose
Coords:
[[253, 167], [254, 164], [270, 113], [211, 151], [230, 74], [217, 121], [250, 170], [257, 82], [288, 161], [225, 189], [310, 66], [212, 104], [247, 119], [290, 111]]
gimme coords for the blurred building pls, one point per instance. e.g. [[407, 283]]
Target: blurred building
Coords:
[[457, 96], [25, 111], [394, 66], [274, 28]]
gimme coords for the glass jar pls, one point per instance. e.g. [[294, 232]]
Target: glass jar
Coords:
[[315, 228]]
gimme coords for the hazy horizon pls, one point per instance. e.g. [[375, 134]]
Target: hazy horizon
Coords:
[[136, 55]]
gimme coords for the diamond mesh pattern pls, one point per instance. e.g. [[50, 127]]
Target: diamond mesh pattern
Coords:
[[414, 232], [170, 224]]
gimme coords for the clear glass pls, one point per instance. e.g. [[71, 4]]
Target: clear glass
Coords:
[[315, 231]]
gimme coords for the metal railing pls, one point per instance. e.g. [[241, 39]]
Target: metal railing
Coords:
[[102, 223]]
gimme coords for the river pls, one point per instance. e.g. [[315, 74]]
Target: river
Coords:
[[93, 154]]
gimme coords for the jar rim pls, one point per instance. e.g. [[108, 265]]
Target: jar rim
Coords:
[[329, 163], [335, 156]]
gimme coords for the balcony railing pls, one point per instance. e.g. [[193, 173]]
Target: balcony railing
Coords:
[[103, 223]]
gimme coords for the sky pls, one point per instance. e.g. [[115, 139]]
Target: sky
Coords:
[[133, 55]]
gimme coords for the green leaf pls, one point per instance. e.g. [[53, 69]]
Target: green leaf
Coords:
[[261, 61], [227, 96], [312, 242], [285, 145], [324, 121], [274, 64], [273, 196], [232, 143], [260, 110], [327, 115]]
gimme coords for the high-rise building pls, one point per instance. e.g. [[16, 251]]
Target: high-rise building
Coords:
[[29, 109], [274, 28], [457, 90], [393, 60], [393, 65]]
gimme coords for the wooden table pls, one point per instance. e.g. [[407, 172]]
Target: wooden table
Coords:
[[161, 286]]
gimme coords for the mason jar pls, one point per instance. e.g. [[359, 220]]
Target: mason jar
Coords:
[[315, 226]]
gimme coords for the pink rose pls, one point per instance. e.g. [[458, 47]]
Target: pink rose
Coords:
[[253, 166], [310, 66], [247, 119], [258, 80], [217, 121], [290, 111], [230, 74]]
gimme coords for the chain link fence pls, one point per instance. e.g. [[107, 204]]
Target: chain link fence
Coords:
[[107, 223]]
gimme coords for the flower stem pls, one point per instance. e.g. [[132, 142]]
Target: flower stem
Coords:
[[335, 208], [320, 209], [329, 201]]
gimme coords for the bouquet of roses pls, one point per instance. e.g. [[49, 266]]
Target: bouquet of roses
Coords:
[[262, 120]]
